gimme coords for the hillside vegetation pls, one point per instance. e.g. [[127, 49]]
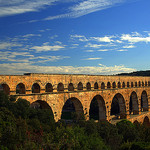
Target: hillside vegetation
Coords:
[[25, 128]]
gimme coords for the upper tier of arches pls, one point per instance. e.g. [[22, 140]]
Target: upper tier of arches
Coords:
[[49, 87]]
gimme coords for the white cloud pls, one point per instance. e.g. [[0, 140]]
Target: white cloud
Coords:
[[30, 35], [103, 39], [47, 48], [96, 58], [81, 38], [118, 41], [20, 68], [122, 50], [129, 46], [89, 51], [9, 45], [103, 50], [13, 7], [85, 7], [94, 45], [27, 57], [134, 39]]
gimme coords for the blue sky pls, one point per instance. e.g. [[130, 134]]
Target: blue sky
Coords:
[[74, 36]]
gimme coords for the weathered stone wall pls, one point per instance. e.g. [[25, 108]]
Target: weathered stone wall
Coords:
[[56, 100]]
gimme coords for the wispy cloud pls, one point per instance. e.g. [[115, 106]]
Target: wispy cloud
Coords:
[[20, 68], [103, 50], [94, 45], [129, 46], [81, 38], [13, 7], [9, 45], [122, 50], [85, 7], [47, 48], [96, 58], [89, 51]]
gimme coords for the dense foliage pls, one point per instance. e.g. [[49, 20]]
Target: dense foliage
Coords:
[[136, 73], [25, 128]]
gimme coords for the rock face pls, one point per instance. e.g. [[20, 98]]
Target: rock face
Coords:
[[116, 96]]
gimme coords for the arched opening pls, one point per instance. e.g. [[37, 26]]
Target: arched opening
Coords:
[[114, 84], [146, 121], [72, 110], [128, 84], [95, 85], [5, 88], [102, 85], [20, 89], [145, 83], [60, 87], [118, 107], [142, 83], [49, 87], [144, 101], [148, 83], [119, 85], [80, 86], [39, 104], [123, 85], [70, 87], [136, 122], [88, 86], [97, 108], [132, 84], [139, 83], [135, 84], [133, 104], [108, 85], [35, 88]]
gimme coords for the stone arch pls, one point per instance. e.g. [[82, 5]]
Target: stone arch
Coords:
[[132, 85], [108, 85], [128, 84], [40, 104], [144, 101], [80, 86], [123, 85], [135, 122], [48, 87], [118, 107], [88, 86], [145, 83], [97, 108], [142, 83], [139, 83], [119, 85], [5, 88], [95, 85], [135, 84], [70, 87], [60, 87], [146, 121], [20, 89], [72, 109], [114, 84], [133, 104], [35, 88], [102, 85]]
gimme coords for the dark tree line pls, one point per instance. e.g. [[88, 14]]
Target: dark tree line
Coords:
[[136, 73], [25, 128]]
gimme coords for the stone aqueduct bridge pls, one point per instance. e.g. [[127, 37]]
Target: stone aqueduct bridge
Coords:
[[126, 96]]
